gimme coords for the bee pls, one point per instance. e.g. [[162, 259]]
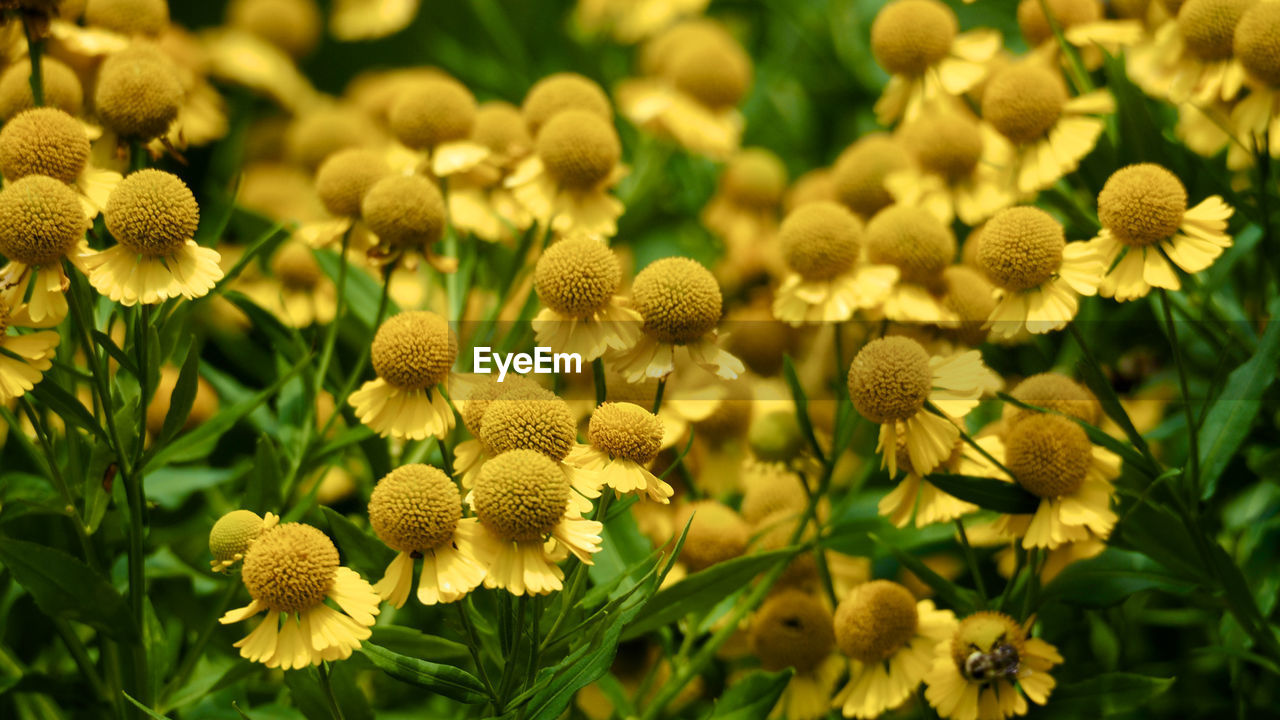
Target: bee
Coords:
[[1001, 661]]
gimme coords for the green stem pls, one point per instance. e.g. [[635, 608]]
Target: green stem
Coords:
[[597, 370], [35, 48], [972, 560], [657, 399], [59, 482], [329, 697], [1079, 76], [81, 657], [196, 651], [1135, 438], [473, 644], [1193, 479]]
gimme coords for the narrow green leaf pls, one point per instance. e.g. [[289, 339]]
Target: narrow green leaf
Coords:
[[1106, 694], [262, 245], [364, 293], [1093, 377], [362, 551], [183, 397], [67, 407], [446, 680], [415, 643], [263, 490], [306, 694], [802, 404], [146, 710], [962, 600], [1110, 578], [988, 493], [115, 352], [752, 697], [63, 586]]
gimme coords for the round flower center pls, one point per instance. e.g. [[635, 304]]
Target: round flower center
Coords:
[[716, 74], [1257, 42], [290, 567], [657, 54], [1208, 27], [1048, 454], [754, 178], [404, 211], [987, 647], [317, 134], [564, 91], [820, 240], [138, 93], [890, 379], [1142, 204], [792, 629], [1024, 101], [577, 277], [858, 174], [521, 495], [529, 422], [295, 267], [490, 389], [625, 430], [415, 508], [946, 144], [291, 25], [62, 88], [678, 298], [915, 242], [770, 490], [578, 149], [716, 534], [128, 17], [233, 533], [152, 212], [1021, 248], [909, 36], [1068, 13], [345, 176], [875, 620], [500, 127], [431, 112], [40, 220], [1053, 392], [44, 141], [972, 298], [414, 350]]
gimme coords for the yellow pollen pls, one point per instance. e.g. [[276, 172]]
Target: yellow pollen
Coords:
[[414, 350], [44, 141], [792, 629], [415, 508], [564, 91], [754, 178], [1208, 27], [152, 212], [41, 220], [875, 620], [233, 533], [1048, 454], [577, 277], [1024, 101], [345, 176], [1053, 392], [820, 240], [405, 212], [521, 495], [1068, 13], [858, 174], [717, 534], [290, 567], [579, 149], [890, 379], [717, 75], [474, 408], [138, 93], [626, 430], [1257, 42], [947, 144], [432, 112], [909, 36], [62, 88], [1021, 248], [917, 243], [983, 632], [678, 298]]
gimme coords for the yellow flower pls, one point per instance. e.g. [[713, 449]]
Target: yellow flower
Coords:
[[48, 141], [793, 629], [294, 26], [716, 534], [1257, 116], [138, 93], [1034, 131], [411, 354], [989, 669], [1038, 274], [969, 299], [1053, 391], [41, 222], [744, 210], [342, 180], [680, 303], [23, 358], [289, 571], [889, 639], [948, 178], [1052, 458], [558, 92], [1192, 58], [353, 20], [1083, 25], [417, 511], [300, 293], [479, 203], [920, 247], [929, 62], [890, 381], [625, 439], [630, 21], [1144, 215], [62, 89], [231, 536], [407, 215], [527, 523], [821, 242], [565, 184], [860, 173], [435, 116], [576, 279], [476, 396], [153, 217], [914, 493]]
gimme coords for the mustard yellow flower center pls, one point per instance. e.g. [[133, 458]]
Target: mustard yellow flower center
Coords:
[[1024, 101], [1021, 248], [1130, 9], [717, 534], [1053, 392], [577, 277], [62, 88], [500, 127], [820, 240], [1257, 42], [138, 93], [40, 220], [1208, 26], [626, 430], [521, 495], [563, 91], [578, 149], [44, 141], [414, 350], [345, 176], [717, 74], [909, 36], [290, 567], [128, 17], [513, 386], [1142, 204], [152, 212], [770, 490], [917, 243], [317, 134], [529, 422], [291, 25], [415, 508], [404, 211], [970, 296], [890, 379], [946, 144], [1068, 13], [754, 178], [1048, 454], [295, 267], [432, 112], [792, 629], [678, 298], [987, 646], [1173, 6], [656, 55], [875, 620], [232, 535], [858, 174]]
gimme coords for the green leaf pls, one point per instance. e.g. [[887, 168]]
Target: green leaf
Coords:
[[263, 491], [446, 680], [67, 407], [1097, 382], [363, 551], [415, 643], [115, 352], [1227, 423], [364, 293], [1106, 694], [183, 397], [752, 697], [169, 487], [987, 493], [307, 694], [64, 587], [264, 244], [1110, 578], [802, 404], [146, 710], [962, 600], [702, 590]]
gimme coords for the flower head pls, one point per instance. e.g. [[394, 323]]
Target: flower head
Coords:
[[1142, 204], [909, 36], [1257, 42], [414, 350], [128, 17], [563, 91], [542, 424], [1067, 13], [987, 667], [319, 133], [946, 144], [578, 148], [62, 88], [716, 534], [43, 141], [521, 495], [415, 508], [1024, 101], [1053, 392], [152, 213], [754, 177], [678, 298], [875, 620], [231, 536], [290, 568], [890, 379], [1021, 248], [917, 243], [41, 220], [291, 25], [792, 629], [716, 74], [859, 173], [1208, 26], [431, 112], [1048, 454], [346, 176], [138, 93], [501, 127], [970, 298], [577, 277], [405, 212], [626, 430], [820, 240]]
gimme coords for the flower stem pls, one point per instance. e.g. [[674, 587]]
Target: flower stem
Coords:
[[194, 653], [1193, 479], [329, 697], [597, 369], [972, 560], [35, 48], [59, 482], [657, 399], [473, 644]]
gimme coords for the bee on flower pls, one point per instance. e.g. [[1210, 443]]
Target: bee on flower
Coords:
[[412, 354], [577, 280], [988, 668], [793, 629], [625, 440]]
